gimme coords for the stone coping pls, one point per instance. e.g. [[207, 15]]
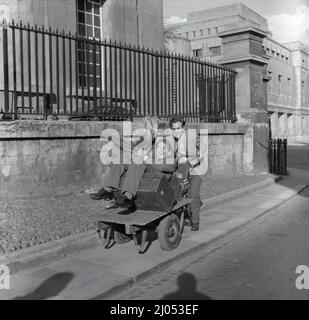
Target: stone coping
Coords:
[[92, 129]]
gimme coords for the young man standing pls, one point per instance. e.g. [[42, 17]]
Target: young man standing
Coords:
[[183, 148]]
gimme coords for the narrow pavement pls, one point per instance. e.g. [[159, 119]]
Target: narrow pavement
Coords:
[[258, 262]]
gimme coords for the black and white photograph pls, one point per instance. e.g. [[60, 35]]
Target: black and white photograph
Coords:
[[154, 153]]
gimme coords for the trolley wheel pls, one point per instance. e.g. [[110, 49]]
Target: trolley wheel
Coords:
[[169, 232], [121, 238]]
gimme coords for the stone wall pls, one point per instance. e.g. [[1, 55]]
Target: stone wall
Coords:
[[50, 158]]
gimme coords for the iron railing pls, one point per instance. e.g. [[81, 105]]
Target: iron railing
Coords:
[[50, 72], [278, 156]]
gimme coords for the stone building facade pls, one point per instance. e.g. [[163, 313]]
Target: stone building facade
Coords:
[[138, 22], [287, 99], [134, 22]]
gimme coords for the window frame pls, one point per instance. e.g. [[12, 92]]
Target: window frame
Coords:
[[81, 60]]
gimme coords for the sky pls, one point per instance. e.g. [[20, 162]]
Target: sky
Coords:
[[288, 20]]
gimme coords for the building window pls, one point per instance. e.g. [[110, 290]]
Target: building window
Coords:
[[202, 33], [89, 18], [208, 30], [216, 29], [194, 34], [303, 83], [215, 51], [88, 25], [187, 34], [198, 53], [279, 77]]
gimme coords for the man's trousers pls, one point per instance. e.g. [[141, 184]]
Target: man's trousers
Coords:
[[194, 193], [125, 177]]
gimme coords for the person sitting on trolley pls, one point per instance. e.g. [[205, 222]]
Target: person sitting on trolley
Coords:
[[127, 177]]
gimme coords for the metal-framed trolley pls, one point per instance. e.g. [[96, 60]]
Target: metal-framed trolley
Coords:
[[121, 225]]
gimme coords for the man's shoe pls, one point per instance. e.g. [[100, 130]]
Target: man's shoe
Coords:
[[124, 202], [102, 195], [195, 227]]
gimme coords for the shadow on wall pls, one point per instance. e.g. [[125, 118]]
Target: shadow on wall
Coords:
[[187, 289]]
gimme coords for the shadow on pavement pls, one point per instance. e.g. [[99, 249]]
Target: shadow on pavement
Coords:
[[187, 289], [50, 287]]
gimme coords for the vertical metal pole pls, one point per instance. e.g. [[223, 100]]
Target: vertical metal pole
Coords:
[[130, 77], [120, 79], [183, 85], [186, 88], [29, 67], [169, 83], [161, 84], [6, 69], [150, 108], [64, 82], [105, 77], [165, 83], [83, 75], [233, 97], [94, 74], [101, 75], [116, 74], [111, 75], [36, 53], [270, 155], [135, 78], [57, 72], [14, 69], [285, 156], [145, 109], [178, 85], [190, 104], [76, 73], [70, 73], [157, 82], [44, 67], [21, 48], [139, 83], [88, 74], [125, 52]]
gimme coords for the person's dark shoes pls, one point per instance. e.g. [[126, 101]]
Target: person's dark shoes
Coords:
[[124, 202], [195, 227], [102, 195]]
